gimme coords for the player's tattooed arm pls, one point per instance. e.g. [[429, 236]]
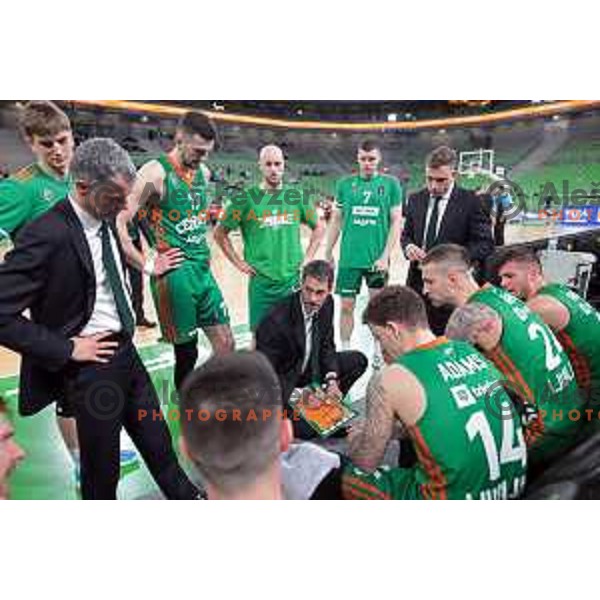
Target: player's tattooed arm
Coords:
[[368, 440]]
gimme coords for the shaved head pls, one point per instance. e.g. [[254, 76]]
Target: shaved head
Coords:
[[272, 165], [448, 256], [270, 152], [447, 275]]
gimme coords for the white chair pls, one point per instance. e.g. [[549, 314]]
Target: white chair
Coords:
[[571, 268]]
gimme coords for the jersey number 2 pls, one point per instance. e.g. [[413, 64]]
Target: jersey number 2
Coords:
[[553, 349]]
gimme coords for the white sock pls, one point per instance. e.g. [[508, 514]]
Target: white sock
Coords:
[[345, 345]]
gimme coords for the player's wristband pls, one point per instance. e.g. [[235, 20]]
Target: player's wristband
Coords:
[[331, 376]]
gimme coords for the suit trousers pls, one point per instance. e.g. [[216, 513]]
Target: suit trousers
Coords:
[[108, 397]]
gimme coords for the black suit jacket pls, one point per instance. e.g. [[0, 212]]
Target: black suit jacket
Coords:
[[281, 337], [49, 271], [466, 222]]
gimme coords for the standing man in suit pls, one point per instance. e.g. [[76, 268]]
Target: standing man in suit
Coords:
[[443, 213], [68, 269], [297, 337]]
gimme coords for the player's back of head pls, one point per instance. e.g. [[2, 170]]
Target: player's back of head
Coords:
[[231, 420], [397, 304]]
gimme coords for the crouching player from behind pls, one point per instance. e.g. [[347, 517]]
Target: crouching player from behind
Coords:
[[450, 401]]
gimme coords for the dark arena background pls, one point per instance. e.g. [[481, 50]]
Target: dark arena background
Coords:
[[545, 154]]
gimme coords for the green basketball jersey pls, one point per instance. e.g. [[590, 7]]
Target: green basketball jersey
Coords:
[[365, 205], [180, 218], [26, 195], [534, 364], [580, 338], [469, 443], [270, 227]]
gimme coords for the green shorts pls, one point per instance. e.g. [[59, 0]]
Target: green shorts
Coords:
[[188, 299], [386, 483], [349, 281], [264, 293]]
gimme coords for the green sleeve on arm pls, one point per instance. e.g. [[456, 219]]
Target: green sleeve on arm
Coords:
[[15, 207]]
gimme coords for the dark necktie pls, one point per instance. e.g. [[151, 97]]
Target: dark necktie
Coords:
[[115, 282], [313, 361], [431, 233]]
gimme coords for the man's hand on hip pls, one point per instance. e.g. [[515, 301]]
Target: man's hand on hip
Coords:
[[167, 261], [92, 348]]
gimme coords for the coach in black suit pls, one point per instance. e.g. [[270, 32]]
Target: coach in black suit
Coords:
[[67, 268], [444, 213], [297, 336]]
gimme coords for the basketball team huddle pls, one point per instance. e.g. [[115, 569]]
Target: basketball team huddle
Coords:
[[484, 386]]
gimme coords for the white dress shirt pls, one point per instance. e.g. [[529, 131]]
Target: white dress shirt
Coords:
[[441, 210], [105, 316]]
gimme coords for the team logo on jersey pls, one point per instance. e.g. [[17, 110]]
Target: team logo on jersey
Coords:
[[462, 395], [48, 195], [381, 190]]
